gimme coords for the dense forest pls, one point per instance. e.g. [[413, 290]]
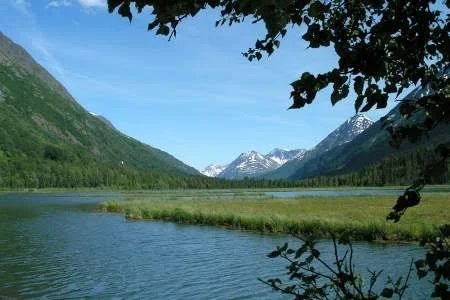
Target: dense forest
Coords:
[[394, 170], [53, 172]]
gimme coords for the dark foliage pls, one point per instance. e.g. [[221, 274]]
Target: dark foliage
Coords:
[[310, 276], [382, 46], [54, 153], [437, 262]]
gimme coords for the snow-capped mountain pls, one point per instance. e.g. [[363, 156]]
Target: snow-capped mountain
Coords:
[[283, 156], [214, 170], [344, 133], [248, 164], [253, 164]]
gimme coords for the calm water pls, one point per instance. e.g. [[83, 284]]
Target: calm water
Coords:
[[56, 246], [349, 192]]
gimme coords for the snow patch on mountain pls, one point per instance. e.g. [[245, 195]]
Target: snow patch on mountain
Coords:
[[213, 170], [344, 133], [248, 164], [281, 156], [253, 164]]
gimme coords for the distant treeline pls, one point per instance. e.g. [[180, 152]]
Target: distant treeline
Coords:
[[21, 172], [396, 170]]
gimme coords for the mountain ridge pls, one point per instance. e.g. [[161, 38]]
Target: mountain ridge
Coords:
[[41, 122], [254, 164], [247, 164], [10, 52], [344, 133]]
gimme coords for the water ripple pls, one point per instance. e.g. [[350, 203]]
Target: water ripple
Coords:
[[53, 253]]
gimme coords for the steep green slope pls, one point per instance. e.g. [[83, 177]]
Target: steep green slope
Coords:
[[40, 122]]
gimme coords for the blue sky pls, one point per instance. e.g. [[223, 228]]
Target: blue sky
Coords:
[[195, 97]]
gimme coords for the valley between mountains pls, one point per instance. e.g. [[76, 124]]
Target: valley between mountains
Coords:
[[48, 140], [254, 164]]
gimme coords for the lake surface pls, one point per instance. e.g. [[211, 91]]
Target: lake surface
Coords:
[[349, 192], [55, 246]]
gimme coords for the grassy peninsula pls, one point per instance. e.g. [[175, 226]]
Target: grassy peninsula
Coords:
[[363, 216]]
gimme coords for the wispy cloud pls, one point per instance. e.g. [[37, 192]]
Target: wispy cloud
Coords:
[[83, 3], [59, 3], [36, 37], [22, 6], [92, 3]]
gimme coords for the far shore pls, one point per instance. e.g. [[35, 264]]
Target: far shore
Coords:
[[444, 187]]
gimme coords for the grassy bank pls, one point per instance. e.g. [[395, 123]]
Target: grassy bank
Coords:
[[363, 216]]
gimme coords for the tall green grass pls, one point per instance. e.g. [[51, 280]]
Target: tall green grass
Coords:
[[364, 217]]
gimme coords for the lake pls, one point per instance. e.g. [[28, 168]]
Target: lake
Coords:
[[56, 246], [350, 192]]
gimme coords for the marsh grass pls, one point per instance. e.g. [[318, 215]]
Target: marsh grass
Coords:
[[362, 216]]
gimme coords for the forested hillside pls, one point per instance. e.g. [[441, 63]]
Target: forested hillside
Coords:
[[47, 138], [395, 170]]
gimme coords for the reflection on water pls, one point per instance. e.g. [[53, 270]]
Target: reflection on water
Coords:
[[51, 246]]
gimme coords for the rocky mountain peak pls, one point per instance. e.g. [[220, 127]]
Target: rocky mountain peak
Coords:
[[213, 170], [254, 164], [358, 123], [345, 132]]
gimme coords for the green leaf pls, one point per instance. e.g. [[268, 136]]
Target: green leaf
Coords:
[[339, 94], [163, 30], [124, 11], [390, 88], [441, 290], [316, 9], [113, 4], [152, 25], [358, 102], [300, 251], [419, 263], [387, 293], [421, 274], [382, 100], [315, 253], [274, 254], [358, 85]]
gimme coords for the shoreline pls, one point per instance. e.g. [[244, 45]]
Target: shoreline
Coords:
[[444, 187], [361, 217]]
